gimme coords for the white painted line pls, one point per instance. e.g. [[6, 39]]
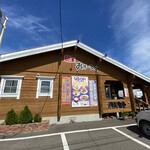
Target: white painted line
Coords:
[[68, 132], [64, 142], [29, 137], [111, 127], [96, 129], [133, 139]]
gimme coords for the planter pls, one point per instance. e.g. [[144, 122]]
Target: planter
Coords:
[[23, 128]]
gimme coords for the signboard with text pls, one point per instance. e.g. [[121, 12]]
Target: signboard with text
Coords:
[[66, 91], [80, 91], [93, 93]]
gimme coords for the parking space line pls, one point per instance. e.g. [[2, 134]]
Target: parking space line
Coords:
[[133, 139], [97, 129], [64, 142], [68, 132]]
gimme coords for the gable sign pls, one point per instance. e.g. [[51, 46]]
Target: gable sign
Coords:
[[69, 59], [81, 66]]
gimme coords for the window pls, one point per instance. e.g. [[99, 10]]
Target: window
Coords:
[[10, 86], [107, 91], [45, 86], [114, 90]]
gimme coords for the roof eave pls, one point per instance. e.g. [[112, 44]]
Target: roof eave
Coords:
[[39, 50], [34, 51], [114, 62]]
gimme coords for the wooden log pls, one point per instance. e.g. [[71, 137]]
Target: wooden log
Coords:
[[148, 93], [99, 60], [99, 92], [75, 49], [62, 52], [131, 78], [132, 100], [143, 106], [59, 95]]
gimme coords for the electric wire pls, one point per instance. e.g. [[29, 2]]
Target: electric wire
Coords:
[[60, 17]]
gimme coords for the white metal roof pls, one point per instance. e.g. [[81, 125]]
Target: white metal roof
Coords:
[[43, 49]]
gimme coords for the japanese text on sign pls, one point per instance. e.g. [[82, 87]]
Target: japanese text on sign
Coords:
[[81, 66]]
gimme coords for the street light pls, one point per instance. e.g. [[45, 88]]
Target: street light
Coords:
[[3, 25]]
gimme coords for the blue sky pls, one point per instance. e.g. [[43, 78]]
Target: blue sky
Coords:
[[120, 28]]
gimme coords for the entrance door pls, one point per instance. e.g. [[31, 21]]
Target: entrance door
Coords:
[[107, 91]]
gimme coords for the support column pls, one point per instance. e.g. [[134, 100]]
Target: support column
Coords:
[[145, 94], [148, 93], [59, 96], [130, 82], [99, 92]]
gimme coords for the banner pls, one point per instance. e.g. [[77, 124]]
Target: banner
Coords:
[[66, 91], [126, 92], [69, 59], [80, 92], [93, 93]]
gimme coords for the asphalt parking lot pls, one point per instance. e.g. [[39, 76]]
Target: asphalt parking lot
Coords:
[[110, 134]]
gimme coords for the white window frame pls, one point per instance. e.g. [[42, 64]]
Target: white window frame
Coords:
[[2, 86], [43, 78]]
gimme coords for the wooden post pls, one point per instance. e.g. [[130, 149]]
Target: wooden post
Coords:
[[139, 106], [144, 94], [148, 93], [99, 93], [59, 96], [62, 52], [133, 103], [143, 106]]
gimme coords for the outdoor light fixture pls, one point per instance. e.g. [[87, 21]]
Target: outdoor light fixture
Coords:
[[38, 75], [3, 23]]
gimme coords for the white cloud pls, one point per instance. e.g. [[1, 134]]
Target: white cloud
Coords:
[[131, 24], [19, 19], [34, 26]]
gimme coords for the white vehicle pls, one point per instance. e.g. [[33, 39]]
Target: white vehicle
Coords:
[[143, 121]]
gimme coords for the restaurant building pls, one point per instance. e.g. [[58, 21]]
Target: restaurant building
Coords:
[[75, 82]]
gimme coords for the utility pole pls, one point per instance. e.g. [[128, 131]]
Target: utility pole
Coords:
[[3, 25]]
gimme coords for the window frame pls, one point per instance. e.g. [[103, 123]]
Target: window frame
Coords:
[[3, 83], [43, 78]]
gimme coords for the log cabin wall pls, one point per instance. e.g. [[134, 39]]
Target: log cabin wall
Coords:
[[51, 64]]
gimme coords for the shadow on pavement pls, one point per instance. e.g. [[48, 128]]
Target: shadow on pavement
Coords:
[[137, 131]]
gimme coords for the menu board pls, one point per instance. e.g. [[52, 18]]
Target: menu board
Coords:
[[93, 93], [80, 91], [66, 91]]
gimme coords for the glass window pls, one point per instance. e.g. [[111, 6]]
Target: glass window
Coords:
[[10, 86], [45, 86], [114, 90], [107, 91]]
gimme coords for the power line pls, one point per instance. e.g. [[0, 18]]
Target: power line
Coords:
[[60, 22]]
